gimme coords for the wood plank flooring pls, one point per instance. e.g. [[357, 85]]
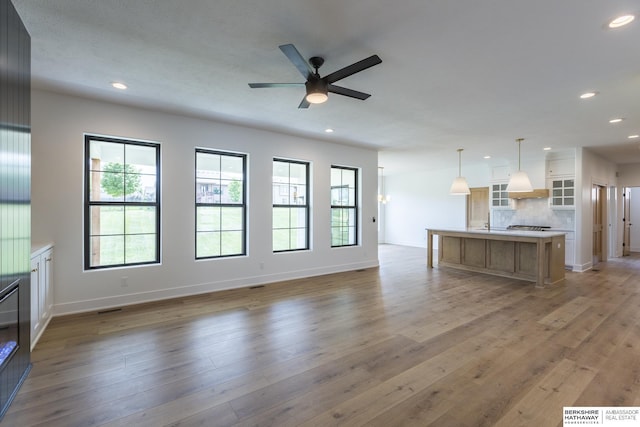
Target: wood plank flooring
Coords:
[[401, 345]]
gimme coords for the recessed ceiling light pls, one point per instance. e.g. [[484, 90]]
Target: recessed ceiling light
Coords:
[[617, 120], [621, 21], [547, 148], [119, 85], [487, 157], [328, 130], [633, 136], [587, 95]]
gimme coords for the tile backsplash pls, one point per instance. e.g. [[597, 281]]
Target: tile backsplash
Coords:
[[533, 212]]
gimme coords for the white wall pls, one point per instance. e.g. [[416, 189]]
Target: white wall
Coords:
[[421, 200], [58, 125]]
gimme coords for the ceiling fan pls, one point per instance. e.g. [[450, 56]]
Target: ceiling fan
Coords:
[[317, 87]]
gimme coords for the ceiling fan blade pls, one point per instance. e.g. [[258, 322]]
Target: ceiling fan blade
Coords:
[[304, 103], [348, 92], [352, 69], [294, 56], [260, 85]]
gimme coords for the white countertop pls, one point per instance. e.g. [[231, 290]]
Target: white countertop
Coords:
[[518, 233]]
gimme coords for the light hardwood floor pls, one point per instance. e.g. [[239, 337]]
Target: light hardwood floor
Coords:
[[396, 346]]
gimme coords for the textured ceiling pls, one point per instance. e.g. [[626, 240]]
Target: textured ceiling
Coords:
[[463, 73]]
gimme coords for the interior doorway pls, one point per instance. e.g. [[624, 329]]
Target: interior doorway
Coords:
[[598, 198], [478, 207], [631, 215]]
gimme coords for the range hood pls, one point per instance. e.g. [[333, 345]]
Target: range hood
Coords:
[[540, 193]]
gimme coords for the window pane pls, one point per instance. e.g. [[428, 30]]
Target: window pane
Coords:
[[231, 242], [140, 219], [298, 173], [207, 244], [281, 239], [281, 218], [231, 218], [106, 220], [297, 193], [231, 191], [140, 248], [280, 170], [231, 167], [207, 190], [207, 165], [343, 231], [106, 251], [298, 238], [103, 152], [336, 177], [208, 218], [298, 217]]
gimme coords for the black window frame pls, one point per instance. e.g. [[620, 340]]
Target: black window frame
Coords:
[[88, 203], [235, 205], [355, 206], [306, 204]]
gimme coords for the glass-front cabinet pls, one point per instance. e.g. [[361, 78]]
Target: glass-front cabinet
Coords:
[[499, 195], [563, 192]]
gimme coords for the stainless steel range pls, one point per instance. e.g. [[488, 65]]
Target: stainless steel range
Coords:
[[519, 227]]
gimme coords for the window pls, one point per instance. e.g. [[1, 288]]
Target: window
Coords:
[[122, 202], [290, 186], [344, 206], [220, 204]]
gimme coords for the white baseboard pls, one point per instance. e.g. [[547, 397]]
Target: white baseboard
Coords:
[[99, 304]]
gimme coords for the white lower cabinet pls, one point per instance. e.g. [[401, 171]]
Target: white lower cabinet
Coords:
[[41, 290]]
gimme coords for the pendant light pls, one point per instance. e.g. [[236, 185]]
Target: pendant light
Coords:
[[460, 186], [519, 182], [382, 198]]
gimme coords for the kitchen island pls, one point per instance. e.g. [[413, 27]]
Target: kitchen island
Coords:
[[536, 256]]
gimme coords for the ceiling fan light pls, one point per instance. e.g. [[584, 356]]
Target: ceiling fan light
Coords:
[[316, 90], [317, 97]]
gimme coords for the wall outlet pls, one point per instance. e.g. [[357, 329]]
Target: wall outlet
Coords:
[[124, 282]]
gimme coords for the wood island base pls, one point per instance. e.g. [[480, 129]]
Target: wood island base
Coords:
[[528, 255]]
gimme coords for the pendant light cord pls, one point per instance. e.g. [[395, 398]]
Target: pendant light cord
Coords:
[[519, 140]]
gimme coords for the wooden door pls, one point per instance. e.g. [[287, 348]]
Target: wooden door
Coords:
[[478, 207], [626, 222], [597, 201]]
